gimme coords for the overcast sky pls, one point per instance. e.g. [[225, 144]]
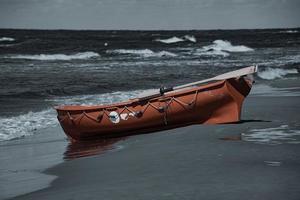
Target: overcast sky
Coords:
[[149, 14]]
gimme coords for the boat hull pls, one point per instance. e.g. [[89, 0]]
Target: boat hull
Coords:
[[214, 103]]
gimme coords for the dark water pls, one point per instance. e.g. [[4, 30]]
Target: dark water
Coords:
[[40, 69]]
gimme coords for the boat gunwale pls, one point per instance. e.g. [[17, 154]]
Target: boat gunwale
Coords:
[[129, 102]]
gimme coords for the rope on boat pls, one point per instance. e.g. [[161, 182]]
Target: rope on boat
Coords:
[[137, 114]]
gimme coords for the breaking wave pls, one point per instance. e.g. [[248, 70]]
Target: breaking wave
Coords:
[[274, 73], [26, 124], [143, 52], [221, 48], [223, 45], [190, 38], [6, 39], [29, 123], [170, 40], [174, 39], [77, 56]]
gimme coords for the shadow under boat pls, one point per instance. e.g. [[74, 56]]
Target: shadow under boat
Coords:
[[248, 121], [78, 149]]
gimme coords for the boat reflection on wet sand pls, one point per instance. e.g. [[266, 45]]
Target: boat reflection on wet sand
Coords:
[[90, 148]]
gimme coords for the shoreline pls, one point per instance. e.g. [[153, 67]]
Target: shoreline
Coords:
[[24, 160], [194, 163]]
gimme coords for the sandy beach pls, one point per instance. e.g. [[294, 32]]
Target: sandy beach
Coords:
[[252, 159]]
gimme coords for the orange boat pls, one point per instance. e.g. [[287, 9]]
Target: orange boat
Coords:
[[217, 101]]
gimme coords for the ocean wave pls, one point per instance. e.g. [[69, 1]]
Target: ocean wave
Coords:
[[223, 45], [274, 73], [77, 56], [190, 38], [29, 123], [170, 40], [174, 39], [6, 39], [221, 48], [37, 93], [213, 53], [289, 31], [143, 52], [7, 45]]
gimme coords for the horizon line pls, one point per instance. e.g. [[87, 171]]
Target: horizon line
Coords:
[[220, 29]]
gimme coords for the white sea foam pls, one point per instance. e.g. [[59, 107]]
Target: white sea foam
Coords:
[[165, 53], [223, 45], [80, 56], [105, 98], [29, 123], [26, 124], [289, 31], [143, 52], [274, 73], [174, 39], [6, 39], [221, 48], [190, 38], [277, 135], [170, 40]]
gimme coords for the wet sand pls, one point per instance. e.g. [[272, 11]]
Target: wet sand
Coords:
[[195, 162]]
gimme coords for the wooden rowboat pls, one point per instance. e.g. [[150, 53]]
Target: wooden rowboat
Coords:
[[218, 101]]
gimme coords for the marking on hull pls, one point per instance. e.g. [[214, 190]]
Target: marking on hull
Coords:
[[114, 117]]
